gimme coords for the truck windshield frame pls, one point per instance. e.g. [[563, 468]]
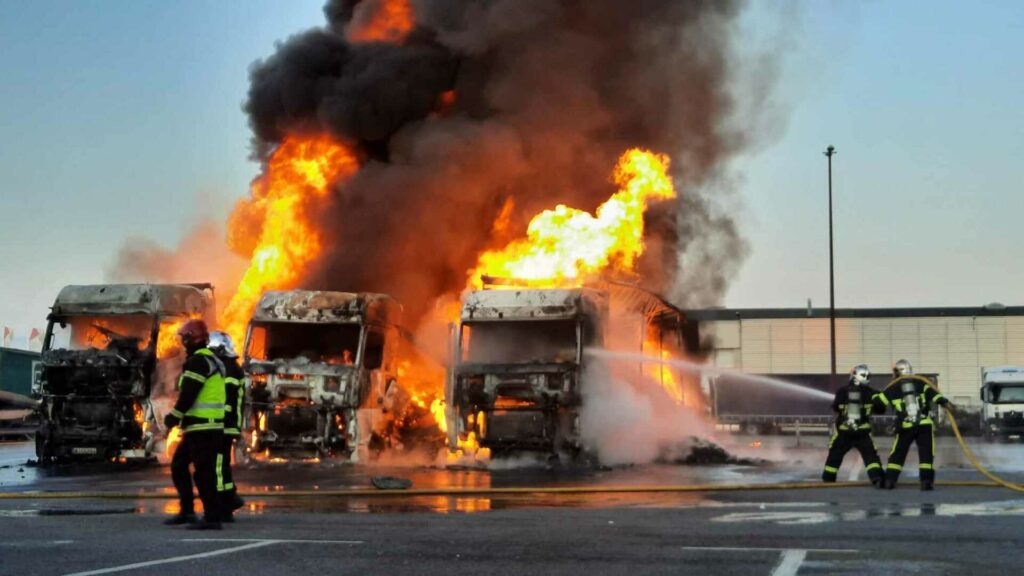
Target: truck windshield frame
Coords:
[[86, 331], [997, 390], [529, 337], [311, 340]]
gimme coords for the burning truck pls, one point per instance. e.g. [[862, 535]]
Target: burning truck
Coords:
[[323, 371], [520, 367], [107, 351]]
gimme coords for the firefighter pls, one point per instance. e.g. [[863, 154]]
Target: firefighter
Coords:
[[911, 398], [222, 345], [852, 406], [200, 413]]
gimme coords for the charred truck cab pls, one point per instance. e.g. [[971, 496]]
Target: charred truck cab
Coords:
[[517, 368], [323, 373], [103, 357]]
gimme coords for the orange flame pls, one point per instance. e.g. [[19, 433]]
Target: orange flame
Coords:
[[298, 174], [566, 246], [382, 21]]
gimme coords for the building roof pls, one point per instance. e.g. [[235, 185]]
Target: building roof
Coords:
[[782, 313]]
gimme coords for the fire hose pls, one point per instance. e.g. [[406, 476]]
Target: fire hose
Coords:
[[539, 490]]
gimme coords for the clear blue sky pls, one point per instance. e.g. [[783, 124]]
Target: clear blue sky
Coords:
[[123, 118]]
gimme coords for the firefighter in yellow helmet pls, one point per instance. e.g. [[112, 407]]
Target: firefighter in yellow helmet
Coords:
[[852, 405], [912, 398], [199, 411]]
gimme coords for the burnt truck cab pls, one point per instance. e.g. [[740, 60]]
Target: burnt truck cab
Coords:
[[105, 350], [322, 370], [517, 368]]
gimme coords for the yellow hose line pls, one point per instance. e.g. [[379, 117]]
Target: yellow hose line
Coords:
[[466, 492], [974, 461], [415, 492]]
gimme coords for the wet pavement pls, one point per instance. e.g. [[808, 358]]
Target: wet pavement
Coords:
[[816, 531]]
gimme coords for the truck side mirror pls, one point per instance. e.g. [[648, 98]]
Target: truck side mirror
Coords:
[[982, 393]]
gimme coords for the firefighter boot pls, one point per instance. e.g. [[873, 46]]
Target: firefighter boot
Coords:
[[181, 518], [204, 524], [927, 486]]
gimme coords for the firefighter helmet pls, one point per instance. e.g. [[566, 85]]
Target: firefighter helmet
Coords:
[[222, 344], [902, 368], [194, 334], [860, 374]]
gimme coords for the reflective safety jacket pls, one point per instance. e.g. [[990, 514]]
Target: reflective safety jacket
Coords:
[[853, 406], [234, 394], [912, 400], [201, 394]]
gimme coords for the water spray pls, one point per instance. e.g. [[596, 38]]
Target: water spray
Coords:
[[703, 369]]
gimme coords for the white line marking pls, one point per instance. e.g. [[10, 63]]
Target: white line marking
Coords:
[[125, 567], [790, 563], [739, 549], [276, 541]]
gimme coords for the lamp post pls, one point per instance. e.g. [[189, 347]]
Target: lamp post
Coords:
[[830, 151]]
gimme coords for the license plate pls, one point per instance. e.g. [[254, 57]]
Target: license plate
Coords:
[[84, 450]]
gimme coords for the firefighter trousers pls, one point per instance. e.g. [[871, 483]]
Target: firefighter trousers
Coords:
[[924, 436], [226, 480], [200, 450], [843, 442]]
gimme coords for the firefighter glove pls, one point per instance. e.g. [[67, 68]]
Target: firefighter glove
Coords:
[[170, 421]]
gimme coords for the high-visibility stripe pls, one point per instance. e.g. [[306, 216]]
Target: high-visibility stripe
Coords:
[[232, 432], [233, 381], [194, 376], [926, 466], [831, 469], [177, 413], [872, 466], [833, 440], [229, 486], [220, 472], [892, 466], [205, 426], [208, 406], [881, 397]]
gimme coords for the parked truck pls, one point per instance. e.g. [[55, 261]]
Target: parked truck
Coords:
[[519, 369], [323, 371], [106, 349], [1002, 397]]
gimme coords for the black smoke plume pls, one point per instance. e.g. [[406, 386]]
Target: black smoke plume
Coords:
[[548, 93]]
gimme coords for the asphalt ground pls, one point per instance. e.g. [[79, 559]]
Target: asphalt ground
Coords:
[[953, 530]]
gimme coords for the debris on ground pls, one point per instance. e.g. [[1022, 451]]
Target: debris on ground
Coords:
[[703, 452]]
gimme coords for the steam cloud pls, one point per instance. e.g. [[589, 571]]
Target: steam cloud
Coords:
[[549, 93]]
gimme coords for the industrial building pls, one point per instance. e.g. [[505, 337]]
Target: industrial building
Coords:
[[954, 344]]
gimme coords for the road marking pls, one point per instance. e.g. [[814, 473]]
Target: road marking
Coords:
[[790, 563], [125, 567], [768, 549]]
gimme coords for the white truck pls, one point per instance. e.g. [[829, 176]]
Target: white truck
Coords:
[[1002, 397]]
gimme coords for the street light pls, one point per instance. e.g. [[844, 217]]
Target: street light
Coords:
[[830, 151]]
